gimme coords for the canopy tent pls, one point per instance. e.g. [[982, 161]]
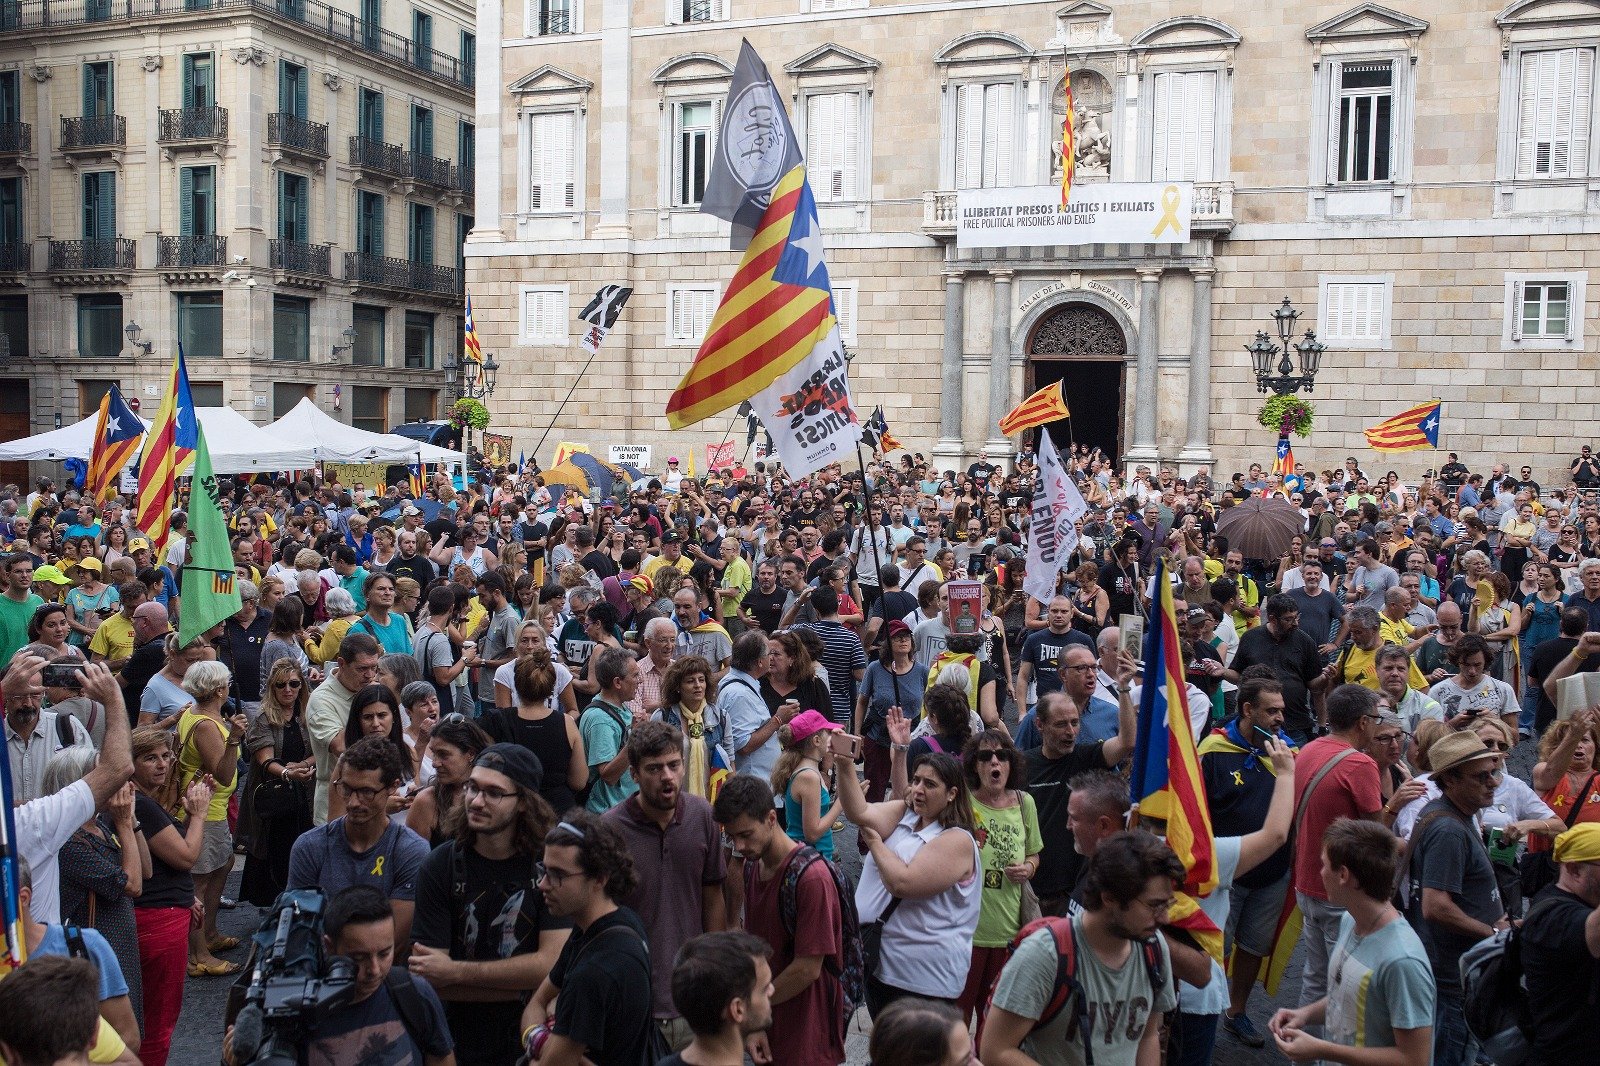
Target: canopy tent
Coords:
[[237, 445], [334, 442]]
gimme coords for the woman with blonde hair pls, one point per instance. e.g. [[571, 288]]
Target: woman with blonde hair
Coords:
[[276, 808], [689, 702], [208, 750]]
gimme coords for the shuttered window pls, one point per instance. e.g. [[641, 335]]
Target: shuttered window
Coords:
[[99, 205], [986, 136], [844, 309], [199, 80], [682, 11], [1184, 126], [369, 222], [552, 165], [833, 146], [691, 163], [420, 226], [197, 201], [1354, 313], [292, 84], [294, 203], [689, 311], [544, 316], [1554, 113], [1544, 311]]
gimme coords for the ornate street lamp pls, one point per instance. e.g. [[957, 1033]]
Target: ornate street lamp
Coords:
[[1285, 382]]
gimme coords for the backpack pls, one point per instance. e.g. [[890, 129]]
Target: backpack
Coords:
[[852, 975], [64, 732], [1067, 985], [408, 1003], [1494, 998]]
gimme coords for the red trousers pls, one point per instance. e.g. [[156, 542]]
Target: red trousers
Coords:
[[163, 965], [981, 977]]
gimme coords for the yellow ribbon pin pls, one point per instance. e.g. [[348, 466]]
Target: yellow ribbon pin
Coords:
[[377, 867], [1170, 201]]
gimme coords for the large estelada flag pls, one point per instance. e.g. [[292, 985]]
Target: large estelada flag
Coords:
[[1283, 462], [1042, 408], [207, 582], [117, 433], [1411, 430], [168, 452]]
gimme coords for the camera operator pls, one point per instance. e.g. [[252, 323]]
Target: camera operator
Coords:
[[390, 1017]]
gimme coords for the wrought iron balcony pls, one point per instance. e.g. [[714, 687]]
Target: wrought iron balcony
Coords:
[[388, 273], [431, 170], [16, 258], [16, 138], [179, 252], [194, 124], [93, 132], [97, 254], [380, 158], [466, 179], [554, 21], [294, 134], [298, 257]]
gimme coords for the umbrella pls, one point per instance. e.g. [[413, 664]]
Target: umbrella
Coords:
[[600, 475], [633, 472], [1261, 529], [570, 475]]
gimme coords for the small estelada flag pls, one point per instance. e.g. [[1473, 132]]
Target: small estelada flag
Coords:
[[1411, 430], [601, 314]]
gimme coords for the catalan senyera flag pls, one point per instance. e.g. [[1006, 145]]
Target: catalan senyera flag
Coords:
[[471, 350], [1069, 146], [168, 452], [117, 433], [1043, 407], [1411, 430], [763, 327], [1166, 780]]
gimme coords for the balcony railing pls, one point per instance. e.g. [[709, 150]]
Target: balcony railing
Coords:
[[298, 257], [431, 170], [177, 252], [102, 253], [294, 134], [466, 179], [16, 138], [16, 258], [194, 124], [375, 155], [401, 274], [1212, 209], [30, 16], [93, 131], [554, 22]]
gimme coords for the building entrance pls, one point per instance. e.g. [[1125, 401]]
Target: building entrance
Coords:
[[1083, 347]]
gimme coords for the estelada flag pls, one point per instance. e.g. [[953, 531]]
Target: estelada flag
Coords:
[[1043, 407], [117, 434], [1283, 462], [471, 350], [168, 452], [1411, 430]]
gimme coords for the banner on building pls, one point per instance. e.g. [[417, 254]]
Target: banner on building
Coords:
[[635, 455], [1106, 213]]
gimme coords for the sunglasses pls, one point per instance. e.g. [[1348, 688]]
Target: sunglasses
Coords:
[[988, 754], [287, 684]]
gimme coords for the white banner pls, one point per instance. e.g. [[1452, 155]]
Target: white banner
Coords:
[[635, 455], [808, 411], [1052, 532], [1104, 213]]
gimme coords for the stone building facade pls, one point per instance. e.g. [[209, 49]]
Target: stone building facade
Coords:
[[1423, 183], [251, 178]]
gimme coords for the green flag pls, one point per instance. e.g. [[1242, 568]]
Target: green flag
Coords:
[[208, 586]]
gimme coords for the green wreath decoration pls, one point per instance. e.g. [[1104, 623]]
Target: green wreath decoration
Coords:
[[469, 412], [1288, 414]]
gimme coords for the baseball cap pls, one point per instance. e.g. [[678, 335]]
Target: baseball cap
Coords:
[[51, 574], [138, 543], [671, 538], [408, 510], [671, 459], [88, 562], [1327, 542], [897, 628], [516, 762], [808, 724]]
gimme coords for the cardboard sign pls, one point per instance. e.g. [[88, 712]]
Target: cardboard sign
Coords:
[[635, 455], [966, 607]]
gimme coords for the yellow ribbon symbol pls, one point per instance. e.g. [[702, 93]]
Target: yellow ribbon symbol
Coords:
[[1170, 200], [1238, 778], [377, 867]]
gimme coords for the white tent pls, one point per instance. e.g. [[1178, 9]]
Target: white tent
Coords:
[[334, 442], [237, 445]]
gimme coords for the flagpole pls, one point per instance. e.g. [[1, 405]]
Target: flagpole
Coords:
[[557, 416], [877, 559]]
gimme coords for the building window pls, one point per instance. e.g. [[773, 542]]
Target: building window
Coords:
[[544, 315], [10, 84], [291, 329], [1554, 113], [689, 312], [421, 130], [14, 325], [549, 17], [99, 205], [833, 146], [197, 201], [1366, 122], [207, 393], [420, 240], [1354, 311], [200, 324], [691, 162], [986, 135], [99, 90], [422, 38], [466, 145], [684, 11], [100, 326], [286, 396], [554, 185], [422, 405], [369, 222], [463, 227], [1183, 129], [369, 114], [369, 323], [845, 298], [11, 211], [293, 82], [199, 80], [419, 340], [1544, 311], [371, 23], [90, 393], [469, 57], [294, 207], [369, 408]]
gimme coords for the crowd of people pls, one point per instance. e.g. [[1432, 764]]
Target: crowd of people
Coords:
[[571, 772]]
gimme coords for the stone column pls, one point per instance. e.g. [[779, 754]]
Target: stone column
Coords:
[[488, 215], [616, 100], [998, 448], [948, 451], [1197, 443], [1144, 404]]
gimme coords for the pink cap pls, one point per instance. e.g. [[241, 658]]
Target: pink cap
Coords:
[[807, 724]]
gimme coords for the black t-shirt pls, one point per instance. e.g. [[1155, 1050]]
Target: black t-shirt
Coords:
[[1047, 783], [1296, 661], [604, 978], [145, 663], [417, 568], [496, 914], [1547, 655], [166, 886], [1563, 979], [600, 563], [547, 739], [244, 654], [766, 607]]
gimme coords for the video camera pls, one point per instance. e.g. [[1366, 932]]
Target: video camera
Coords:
[[291, 984]]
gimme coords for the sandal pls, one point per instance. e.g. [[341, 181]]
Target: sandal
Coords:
[[223, 943], [214, 969]]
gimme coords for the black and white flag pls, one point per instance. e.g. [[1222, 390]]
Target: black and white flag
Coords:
[[601, 314]]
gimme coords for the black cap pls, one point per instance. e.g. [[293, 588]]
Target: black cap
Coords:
[[671, 538], [516, 762]]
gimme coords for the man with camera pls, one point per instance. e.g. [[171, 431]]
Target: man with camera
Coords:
[[389, 1016]]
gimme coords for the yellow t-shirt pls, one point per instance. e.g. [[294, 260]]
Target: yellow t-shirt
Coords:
[[113, 639], [1358, 666], [1395, 632], [189, 764]]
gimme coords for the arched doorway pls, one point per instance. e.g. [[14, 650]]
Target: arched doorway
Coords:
[[1083, 347]]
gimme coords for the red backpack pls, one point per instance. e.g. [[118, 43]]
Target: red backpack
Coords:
[[1067, 985]]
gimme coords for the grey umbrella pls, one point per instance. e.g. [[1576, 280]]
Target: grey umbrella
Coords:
[[1261, 528]]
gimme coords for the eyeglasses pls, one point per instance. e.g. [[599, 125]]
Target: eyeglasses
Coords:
[[556, 877], [1497, 745], [1487, 777], [365, 795], [1083, 668], [493, 794], [1389, 738], [287, 684], [988, 754]]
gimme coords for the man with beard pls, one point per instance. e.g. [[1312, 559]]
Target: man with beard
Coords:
[[407, 563], [676, 849], [484, 938]]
